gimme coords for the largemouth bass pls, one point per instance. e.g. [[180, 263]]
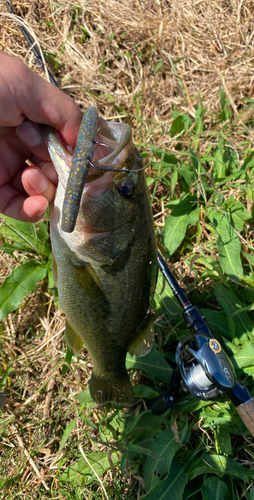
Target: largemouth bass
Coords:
[[106, 269]]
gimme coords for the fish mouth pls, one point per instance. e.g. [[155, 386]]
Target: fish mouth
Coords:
[[100, 146], [111, 148], [113, 145], [108, 150], [114, 149], [114, 154]]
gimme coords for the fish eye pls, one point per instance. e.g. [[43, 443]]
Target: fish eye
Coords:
[[126, 189]]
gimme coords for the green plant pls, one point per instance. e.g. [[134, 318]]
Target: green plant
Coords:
[[34, 250], [204, 189]]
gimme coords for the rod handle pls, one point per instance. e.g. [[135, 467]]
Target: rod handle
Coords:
[[246, 413]]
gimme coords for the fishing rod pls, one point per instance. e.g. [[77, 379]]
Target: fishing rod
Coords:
[[31, 44], [201, 365]]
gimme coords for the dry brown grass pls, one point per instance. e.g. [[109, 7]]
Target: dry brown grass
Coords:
[[211, 45]]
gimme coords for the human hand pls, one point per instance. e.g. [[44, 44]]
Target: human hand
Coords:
[[26, 100]]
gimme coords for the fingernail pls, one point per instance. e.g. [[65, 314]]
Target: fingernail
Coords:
[[38, 182], [41, 212], [29, 134]]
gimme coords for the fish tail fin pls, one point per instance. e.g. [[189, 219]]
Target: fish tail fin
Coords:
[[115, 390]]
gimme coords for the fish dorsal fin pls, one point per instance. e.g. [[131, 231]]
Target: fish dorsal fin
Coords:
[[143, 344], [74, 342]]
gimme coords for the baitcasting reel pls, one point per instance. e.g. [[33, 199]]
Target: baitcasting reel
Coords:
[[202, 367]]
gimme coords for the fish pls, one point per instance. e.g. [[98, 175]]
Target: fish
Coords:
[[106, 268]]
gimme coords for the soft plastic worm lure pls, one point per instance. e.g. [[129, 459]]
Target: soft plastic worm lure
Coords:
[[82, 158]]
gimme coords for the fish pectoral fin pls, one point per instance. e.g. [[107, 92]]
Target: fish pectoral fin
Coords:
[[85, 277], [143, 344], [74, 342]]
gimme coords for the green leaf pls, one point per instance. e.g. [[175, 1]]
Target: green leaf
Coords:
[[226, 112], [159, 65], [174, 231], [154, 364], [184, 204], [219, 323], [145, 420], [150, 181], [66, 434], [220, 417], [193, 216], [165, 303], [172, 487], [165, 446], [222, 99], [198, 119], [22, 280], [84, 396], [230, 303], [175, 228], [26, 236], [217, 464], [219, 167], [4, 378], [189, 403], [67, 361], [214, 489], [177, 126], [231, 157], [186, 171], [144, 391], [245, 357], [229, 246], [140, 450], [80, 472], [238, 213], [174, 179], [223, 439]]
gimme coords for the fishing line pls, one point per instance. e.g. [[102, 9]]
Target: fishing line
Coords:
[[121, 171], [170, 314]]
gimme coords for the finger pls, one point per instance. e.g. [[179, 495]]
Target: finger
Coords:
[[49, 171], [36, 183], [24, 94], [19, 206], [30, 134], [33, 209], [47, 168]]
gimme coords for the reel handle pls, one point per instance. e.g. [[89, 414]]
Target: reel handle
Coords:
[[246, 413]]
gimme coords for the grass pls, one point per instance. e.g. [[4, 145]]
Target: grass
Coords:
[[181, 75]]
